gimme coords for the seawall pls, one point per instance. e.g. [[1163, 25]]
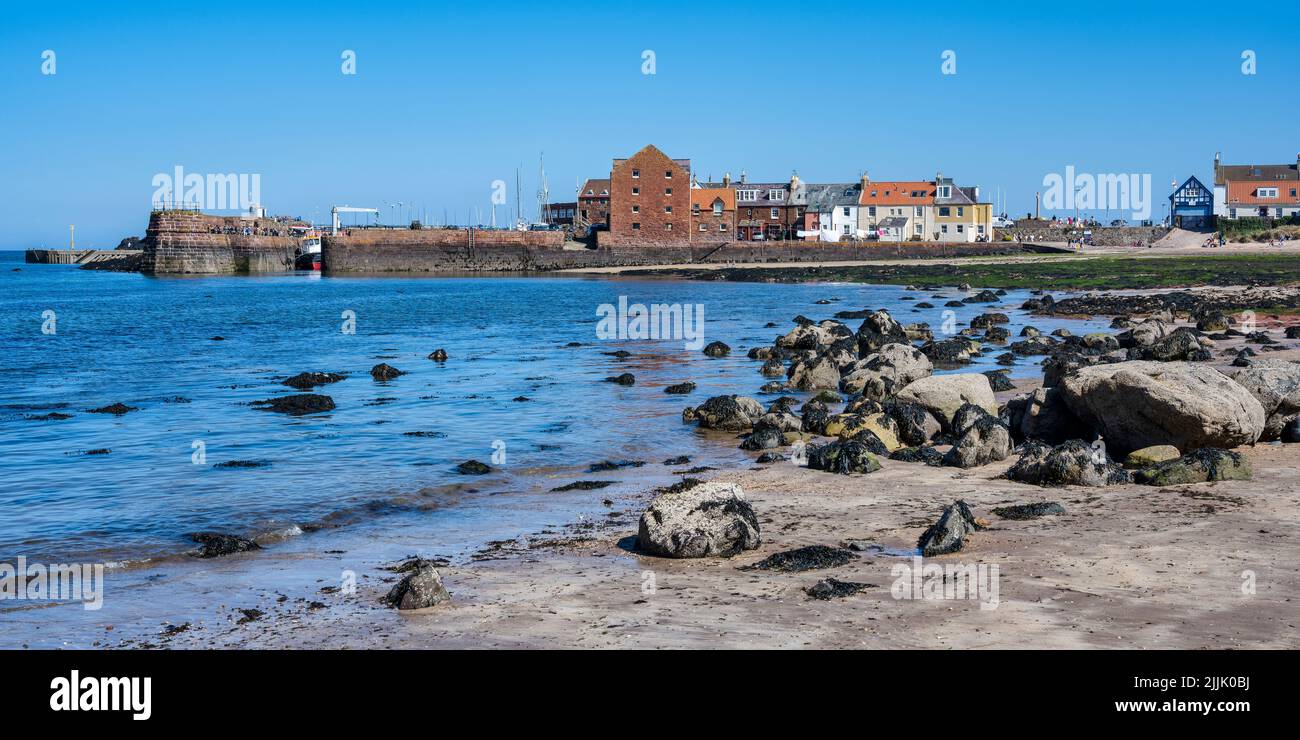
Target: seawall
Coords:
[[459, 251], [182, 242]]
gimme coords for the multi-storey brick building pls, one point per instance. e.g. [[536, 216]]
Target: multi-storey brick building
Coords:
[[770, 211], [713, 212], [593, 202], [650, 200]]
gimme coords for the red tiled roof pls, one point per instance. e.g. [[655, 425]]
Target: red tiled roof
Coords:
[[1245, 192], [898, 193], [597, 186]]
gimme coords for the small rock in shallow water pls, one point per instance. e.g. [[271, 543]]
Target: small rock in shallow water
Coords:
[[307, 381], [298, 404], [680, 388], [767, 458], [830, 588], [116, 409], [216, 544], [679, 460], [717, 349], [1029, 511], [438, 355], [243, 464], [384, 371], [624, 379], [584, 485], [473, 467], [605, 465]]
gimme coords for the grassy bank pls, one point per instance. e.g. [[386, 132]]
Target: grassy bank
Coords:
[[1096, 273]]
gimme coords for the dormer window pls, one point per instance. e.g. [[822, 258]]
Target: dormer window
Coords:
[[717, 207], [945, 191], [776, 195], [1266, 192]]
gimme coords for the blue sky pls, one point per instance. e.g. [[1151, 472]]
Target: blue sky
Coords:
[[447, 98]]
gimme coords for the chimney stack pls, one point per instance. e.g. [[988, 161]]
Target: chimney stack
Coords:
[[794, 180], [726, 180], [865, 180], [744, 177]]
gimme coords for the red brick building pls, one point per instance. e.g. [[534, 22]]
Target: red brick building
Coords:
[[650, 200], [713, 213], [593, 202], [770, 211]]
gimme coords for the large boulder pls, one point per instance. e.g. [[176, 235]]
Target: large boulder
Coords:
[[951, 352], [815, 374], [710, 519], [886, 371], [1139, 404], [1043, 415], [1207, 464], [877, 330], [1070, 464], [728, 413], [1276, 385], [1144, 334], [942, 395]]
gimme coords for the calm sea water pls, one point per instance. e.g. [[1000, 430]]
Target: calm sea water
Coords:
[[147, 342]]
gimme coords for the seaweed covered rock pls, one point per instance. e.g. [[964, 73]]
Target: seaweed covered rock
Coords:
[[728, 413], [951, 352], [710, 519], [927, 455], [877, 330], [949, 533], [1021, 512], [886, 371], [298, 404], [984, 440], [915, 424], [843, 456], [1179, 346], [815, 373], [1205, 464], [217, 544], [717, 349], [1073, 463]]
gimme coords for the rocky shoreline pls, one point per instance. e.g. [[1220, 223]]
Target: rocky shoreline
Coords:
[[883, 458]]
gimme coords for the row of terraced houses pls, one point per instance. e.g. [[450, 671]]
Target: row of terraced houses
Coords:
[[651, 198]]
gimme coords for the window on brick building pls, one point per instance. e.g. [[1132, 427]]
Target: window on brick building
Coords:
[[636, 226], [636, 173], [722, 227], [717, 207], [668, 191], [668, 209], [668, 174], [636, 209], [695, 209], [668, 227], [776, 213], [702, 227]]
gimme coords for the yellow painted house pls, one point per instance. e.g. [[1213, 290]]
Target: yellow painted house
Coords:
[[958, 216]]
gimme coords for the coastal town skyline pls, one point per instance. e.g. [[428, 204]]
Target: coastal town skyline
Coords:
[[433, 126]]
